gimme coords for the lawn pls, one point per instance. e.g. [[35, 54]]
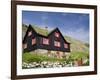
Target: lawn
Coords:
[[28, 58], [74, 56]]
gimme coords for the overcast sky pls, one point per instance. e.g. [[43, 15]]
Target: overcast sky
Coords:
[[75, 25]]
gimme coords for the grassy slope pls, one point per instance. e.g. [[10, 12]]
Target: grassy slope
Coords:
[[76, 45]]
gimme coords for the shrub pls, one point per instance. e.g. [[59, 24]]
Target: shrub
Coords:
[[28, 58], [79, 55]]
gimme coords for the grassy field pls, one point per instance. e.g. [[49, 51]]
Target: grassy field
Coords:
[[28, 58]]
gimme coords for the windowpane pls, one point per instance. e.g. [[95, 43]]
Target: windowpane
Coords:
[[56, 43], [65, 45], [29, 33], [33, 41], [45, 41], [56, 34], [25, 46]]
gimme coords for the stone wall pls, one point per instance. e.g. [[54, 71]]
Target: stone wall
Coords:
[[58, 54]]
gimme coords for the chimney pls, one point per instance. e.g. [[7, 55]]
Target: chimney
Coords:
[[46, 28]]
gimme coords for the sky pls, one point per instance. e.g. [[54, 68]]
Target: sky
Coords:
[[75, 25]]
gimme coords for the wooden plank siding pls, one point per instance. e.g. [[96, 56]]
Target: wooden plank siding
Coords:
[[39, 41]]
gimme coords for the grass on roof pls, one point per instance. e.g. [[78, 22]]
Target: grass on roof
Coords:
[[41, 30]]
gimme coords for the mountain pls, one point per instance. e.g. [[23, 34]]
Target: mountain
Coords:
[[76, 45]]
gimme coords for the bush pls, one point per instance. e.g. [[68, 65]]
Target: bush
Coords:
[[75, 56], [28, 58], [79, 55], [32, 57]]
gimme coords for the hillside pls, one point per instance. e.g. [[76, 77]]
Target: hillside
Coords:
[[76, 45]]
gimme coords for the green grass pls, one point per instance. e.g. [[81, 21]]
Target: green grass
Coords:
[[28, 58], [79, 55], [74, 56], [40, 30]]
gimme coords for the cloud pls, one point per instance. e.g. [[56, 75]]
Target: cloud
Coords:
[[79, 34], [64, 14], [44, 18], [26, 21]]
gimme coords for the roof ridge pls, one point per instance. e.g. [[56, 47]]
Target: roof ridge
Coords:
[[52, 31], [34, 27]]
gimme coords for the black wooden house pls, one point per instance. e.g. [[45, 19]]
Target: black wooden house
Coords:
[[54, 41]]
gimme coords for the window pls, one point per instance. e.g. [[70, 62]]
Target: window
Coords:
[[25, 46], [29, 33], [33, 41], [56, 34], [46, 41], [56, 43], [65, 45]]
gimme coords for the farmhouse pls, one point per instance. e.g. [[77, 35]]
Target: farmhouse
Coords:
[[52, 41]]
